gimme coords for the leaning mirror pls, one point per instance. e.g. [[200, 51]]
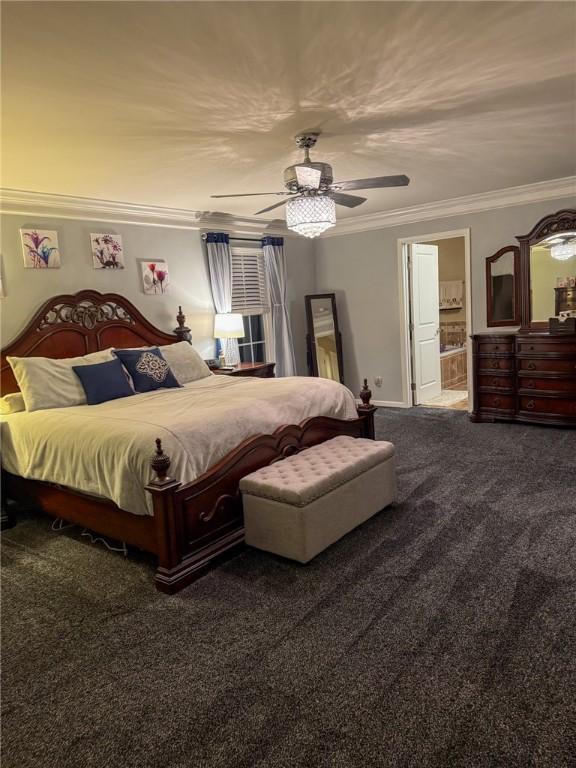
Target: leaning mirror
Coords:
[[323, 337], [502, 287]]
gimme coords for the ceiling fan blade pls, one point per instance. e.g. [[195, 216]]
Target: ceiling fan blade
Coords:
[[271, 207], [252, 194], [375, 183], [350, 201]]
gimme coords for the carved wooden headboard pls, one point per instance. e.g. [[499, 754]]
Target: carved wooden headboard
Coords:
[[75, 324]]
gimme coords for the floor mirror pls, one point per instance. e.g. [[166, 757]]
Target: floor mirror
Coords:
[[323, 339]]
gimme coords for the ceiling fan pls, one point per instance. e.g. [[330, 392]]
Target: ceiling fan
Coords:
[[313, 194]]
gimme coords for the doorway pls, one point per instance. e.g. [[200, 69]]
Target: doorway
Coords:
[[436, 319]]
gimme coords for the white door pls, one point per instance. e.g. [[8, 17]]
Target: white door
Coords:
[[425, 305]]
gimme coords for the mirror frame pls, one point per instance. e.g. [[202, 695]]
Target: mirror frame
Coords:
[[310, 345], [555, 223], [489, 297]]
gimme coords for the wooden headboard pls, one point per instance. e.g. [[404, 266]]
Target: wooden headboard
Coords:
[[76, 324]]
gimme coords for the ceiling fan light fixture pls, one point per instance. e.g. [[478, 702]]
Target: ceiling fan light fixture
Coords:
[[310, 215], [563, 251]]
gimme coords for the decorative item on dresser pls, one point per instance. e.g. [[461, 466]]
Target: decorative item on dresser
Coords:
[[530, 375], [193, 524], [260, 370]]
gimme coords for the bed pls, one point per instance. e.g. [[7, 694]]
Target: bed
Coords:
[[180, 501]]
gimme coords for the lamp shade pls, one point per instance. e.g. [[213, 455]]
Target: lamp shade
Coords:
[[310, 215], [228, 326]]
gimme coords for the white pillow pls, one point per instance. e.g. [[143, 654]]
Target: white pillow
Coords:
[[48, 383], [12, 403], [185, 363]]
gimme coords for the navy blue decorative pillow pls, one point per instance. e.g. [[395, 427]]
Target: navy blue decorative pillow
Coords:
[[103, 381], [148, 369]]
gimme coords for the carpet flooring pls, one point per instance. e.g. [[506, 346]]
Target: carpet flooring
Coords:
[[441, 633]]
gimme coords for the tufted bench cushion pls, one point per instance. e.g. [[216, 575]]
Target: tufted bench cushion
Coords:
[[300, 505]]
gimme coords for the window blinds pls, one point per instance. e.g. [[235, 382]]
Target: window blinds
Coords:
[[249, 294]]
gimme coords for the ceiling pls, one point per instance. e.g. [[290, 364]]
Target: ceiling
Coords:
[[167, 103]]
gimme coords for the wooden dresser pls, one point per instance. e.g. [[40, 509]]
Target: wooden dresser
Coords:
[[528, 377]]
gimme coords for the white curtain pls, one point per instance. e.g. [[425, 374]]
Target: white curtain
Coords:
[[275, 267], [220, 265]]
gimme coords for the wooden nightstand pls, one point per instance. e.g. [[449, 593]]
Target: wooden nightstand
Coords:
[[261, 370]]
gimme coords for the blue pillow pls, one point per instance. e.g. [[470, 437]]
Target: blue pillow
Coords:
[[148, 369], [103, 381]]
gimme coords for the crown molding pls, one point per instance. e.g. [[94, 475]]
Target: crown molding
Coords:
[[46, 205], [484, 201]]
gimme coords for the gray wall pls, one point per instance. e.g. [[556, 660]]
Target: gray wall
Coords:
[[26, 289], [362, 268]]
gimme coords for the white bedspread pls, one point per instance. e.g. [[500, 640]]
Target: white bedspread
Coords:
[[105, 449]]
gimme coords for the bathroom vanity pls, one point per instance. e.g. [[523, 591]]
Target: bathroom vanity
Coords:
[[529, 375]]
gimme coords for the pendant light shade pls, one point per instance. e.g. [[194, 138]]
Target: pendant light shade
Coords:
[[310, 215]]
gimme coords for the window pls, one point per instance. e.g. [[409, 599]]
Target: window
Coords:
[[249, 290], [250, 298], [252, 347]]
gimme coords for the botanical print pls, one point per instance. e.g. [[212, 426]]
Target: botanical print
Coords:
[[107, 252], [155, 277], [40, 249]]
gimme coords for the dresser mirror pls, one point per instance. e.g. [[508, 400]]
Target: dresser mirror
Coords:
[[502, 287], [553, 273], [548, 265], [323, 339]]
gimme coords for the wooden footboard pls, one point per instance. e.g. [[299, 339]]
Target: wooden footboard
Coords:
[[197, 524]]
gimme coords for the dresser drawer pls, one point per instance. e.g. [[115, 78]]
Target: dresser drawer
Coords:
[[550, 364], [549, 384], [494, 402], [547, 346], [486, 380], [495, 346], [562, 406], [491, 364]]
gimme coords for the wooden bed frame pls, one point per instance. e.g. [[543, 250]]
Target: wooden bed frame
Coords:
[[195, 524]]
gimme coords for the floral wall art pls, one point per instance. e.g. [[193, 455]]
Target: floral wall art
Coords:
[[40, 248], [155, 277], [107, 251]]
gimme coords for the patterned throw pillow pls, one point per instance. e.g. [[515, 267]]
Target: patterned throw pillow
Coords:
[[147, 368]]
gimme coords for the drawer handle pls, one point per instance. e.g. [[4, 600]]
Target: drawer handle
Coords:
[[496, 348], [530, 405], [495, 382], [531, 348], [530, 384], [496, 402], [532, 366], [495, 364]]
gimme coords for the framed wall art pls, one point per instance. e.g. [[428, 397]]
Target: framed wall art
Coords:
[[155, 277], [40, 248], [107, 251]]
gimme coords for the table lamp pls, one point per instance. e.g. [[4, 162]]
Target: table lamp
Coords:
[[228, 326]]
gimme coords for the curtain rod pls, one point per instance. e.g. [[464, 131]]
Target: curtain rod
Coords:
[[246, 239]]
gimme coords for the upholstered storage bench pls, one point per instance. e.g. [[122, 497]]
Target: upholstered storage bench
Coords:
[[300, 505]]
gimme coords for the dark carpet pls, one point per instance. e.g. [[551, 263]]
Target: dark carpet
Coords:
[[441, 633]]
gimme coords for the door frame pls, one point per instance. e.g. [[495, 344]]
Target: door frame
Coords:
[[404, 304]]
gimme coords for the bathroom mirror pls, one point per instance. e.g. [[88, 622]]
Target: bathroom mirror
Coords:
[[548, 265], [323, 338], [502, 287]]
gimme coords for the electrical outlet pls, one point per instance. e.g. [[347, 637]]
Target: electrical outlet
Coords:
[[378, 381]]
